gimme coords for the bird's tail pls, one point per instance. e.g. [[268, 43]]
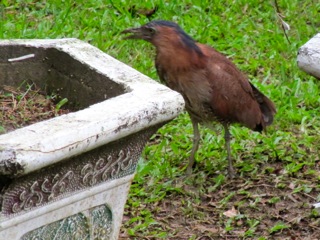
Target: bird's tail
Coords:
[[267, 107]]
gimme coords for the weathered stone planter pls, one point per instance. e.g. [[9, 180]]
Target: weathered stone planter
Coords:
[[309, 61], [68, 177], [309, 56]]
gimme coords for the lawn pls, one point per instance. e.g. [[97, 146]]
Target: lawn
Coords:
[[278, 172]]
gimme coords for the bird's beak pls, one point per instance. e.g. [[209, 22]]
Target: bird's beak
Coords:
[[136, 33]]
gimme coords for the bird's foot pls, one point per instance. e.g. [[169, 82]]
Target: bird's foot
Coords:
[[189, 170], [231, 172]]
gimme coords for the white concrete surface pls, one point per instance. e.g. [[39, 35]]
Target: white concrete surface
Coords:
[[309, 56]]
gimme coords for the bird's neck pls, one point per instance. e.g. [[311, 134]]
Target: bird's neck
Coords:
[[178, 56]]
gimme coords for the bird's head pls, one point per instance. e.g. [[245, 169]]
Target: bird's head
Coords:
[[154, 29], [164, 35]]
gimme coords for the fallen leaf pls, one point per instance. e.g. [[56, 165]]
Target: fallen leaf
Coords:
[[292, 185], [231, 213]]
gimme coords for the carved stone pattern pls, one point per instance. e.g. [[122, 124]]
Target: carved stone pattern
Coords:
[[101, 218], [106, 169], [73, 227], [97, 227], [111, 161], [36, 194]]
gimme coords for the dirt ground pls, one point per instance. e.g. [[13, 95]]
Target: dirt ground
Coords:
[[268, 207]]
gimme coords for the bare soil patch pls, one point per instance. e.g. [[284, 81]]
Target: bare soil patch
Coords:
[[19, 108]]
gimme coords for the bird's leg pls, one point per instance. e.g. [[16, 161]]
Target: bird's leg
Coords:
[[227, 137], [195, 145]]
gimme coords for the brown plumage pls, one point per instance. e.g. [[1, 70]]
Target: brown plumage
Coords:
[[213, 88]]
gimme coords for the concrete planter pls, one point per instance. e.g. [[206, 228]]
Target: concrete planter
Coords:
[[309, 56], [309, 61], [68, 177]]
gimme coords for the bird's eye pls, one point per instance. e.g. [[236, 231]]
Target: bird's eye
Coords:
[[151, 30]]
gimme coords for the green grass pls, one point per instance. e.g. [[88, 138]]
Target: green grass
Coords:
[[283, 161]]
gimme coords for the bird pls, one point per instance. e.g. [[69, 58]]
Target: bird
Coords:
[[213, 88]]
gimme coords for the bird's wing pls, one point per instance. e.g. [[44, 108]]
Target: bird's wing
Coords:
[[232, 97], [226, 73]]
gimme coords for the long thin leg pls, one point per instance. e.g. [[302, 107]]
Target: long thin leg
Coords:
[[195, 145], [227, 137]]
